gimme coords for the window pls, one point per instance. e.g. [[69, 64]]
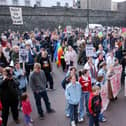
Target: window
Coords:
[[38, 3], [27, 2], [15, 2]]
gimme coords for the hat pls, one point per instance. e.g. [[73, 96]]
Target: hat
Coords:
[[102, 64]]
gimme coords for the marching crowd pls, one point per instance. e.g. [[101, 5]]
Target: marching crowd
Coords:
[[33, 67]]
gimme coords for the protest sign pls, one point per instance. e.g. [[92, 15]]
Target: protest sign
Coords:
[[23, 55], [89, 50], [68, 29], [16, 15], [116, 81], [104, 96]]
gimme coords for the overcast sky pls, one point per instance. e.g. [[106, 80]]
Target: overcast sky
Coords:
[[118, 0]]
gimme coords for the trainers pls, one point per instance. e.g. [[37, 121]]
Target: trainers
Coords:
[[73, 123], [31, 120], [67, 115], [51, 111], [80, 120], [103, 119], [41, 117]]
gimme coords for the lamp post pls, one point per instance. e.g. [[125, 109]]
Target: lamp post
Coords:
[[88, 14]]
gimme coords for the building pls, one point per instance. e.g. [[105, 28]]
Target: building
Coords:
[[40, 3], [114, 6], [96, 4], [122, 6]]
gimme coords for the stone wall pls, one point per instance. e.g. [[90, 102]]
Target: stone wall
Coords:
[[53, 17]]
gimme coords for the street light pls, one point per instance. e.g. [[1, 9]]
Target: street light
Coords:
[[88, 14]]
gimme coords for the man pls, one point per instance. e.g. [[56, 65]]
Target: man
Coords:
[[9, 96], [38, 84], [46, 67]]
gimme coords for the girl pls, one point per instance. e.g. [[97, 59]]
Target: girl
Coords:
[[26, 108], [85, 82]]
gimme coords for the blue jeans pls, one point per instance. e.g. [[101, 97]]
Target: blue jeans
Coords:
[[73, 113], [67, 108], [38, 96], [27, 119], [101, 116], [93, 120], [84, 95]]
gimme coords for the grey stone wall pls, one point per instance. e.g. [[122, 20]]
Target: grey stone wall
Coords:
[[53, 17]]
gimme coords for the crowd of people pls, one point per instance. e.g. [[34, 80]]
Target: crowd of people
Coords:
[[34, 68]]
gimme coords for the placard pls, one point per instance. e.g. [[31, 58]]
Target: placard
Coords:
[[16, 15], [23, 55]]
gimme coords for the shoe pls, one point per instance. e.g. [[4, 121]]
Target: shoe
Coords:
[[73, 123], [30, 124], [17, 121], [80, 120], [41, 117], [103, 119], [51, 111], [67, 115], [31, 120]]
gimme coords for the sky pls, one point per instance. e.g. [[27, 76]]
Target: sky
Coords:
[[118, 0]]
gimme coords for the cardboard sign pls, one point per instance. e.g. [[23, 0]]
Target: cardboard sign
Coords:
[[89, 50], [68, 29], [23, 55], [16, 15], [116, 81], [104, 96]]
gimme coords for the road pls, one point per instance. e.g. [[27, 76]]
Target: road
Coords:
[[115, 114]]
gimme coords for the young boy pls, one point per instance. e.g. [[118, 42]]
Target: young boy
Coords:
[[94, 105], [73, 95]]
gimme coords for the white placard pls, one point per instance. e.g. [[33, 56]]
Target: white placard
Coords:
[[16, 15], [89, 50], [69, 29], [23, 55]]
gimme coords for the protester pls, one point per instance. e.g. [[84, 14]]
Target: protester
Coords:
[[73, 95], [95, 106], [85, 82], [46, 66], [38, 84], [26, 108], [9, 96]]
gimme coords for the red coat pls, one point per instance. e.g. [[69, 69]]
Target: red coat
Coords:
[[26, 106], [83, 82]]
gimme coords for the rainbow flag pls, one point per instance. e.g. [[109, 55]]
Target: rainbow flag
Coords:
[[58, 53]]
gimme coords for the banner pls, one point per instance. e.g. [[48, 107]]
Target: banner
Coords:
[[116, 81], [104, 96], [23, 55], [16, 15], [89, 50]]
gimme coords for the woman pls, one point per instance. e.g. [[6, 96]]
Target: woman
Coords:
[[85, 82]]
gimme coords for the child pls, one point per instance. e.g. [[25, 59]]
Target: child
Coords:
[[94, 106], [73, 95], [26, 108], [85, 82]]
